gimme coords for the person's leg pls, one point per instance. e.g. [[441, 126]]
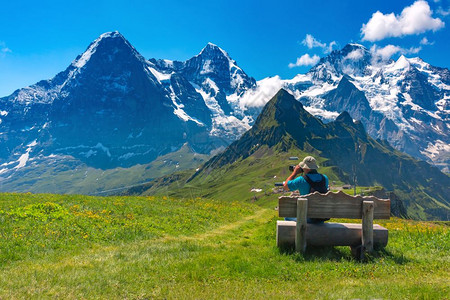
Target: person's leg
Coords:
[[316, 221]]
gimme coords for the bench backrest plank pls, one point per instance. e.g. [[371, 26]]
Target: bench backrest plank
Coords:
[[334, 205]]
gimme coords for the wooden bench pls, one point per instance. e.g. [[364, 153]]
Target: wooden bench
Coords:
[[360, 237]]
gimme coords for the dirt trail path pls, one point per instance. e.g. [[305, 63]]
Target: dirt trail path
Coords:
[[101, 253]]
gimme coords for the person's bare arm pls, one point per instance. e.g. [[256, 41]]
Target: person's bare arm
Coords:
[[297, 170]]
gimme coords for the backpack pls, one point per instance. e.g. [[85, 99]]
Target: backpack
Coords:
[[317, 186]]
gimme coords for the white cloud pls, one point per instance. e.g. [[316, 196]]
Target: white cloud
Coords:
[[425, 41], [4, 49], [330, 46], [412, 50], [312, 42], [443, 12], [414, 19], [305, 60], [388, 51], [355, 54]]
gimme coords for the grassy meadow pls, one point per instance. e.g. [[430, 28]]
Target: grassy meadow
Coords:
[[68, 246]]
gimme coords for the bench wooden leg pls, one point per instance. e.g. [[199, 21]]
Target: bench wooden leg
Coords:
[[300, 232], [367, 226]]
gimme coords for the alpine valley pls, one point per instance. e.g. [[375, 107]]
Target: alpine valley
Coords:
[[115, 119], [344, 151]]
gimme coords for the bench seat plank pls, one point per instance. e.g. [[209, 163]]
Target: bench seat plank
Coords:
[[329, 234], [334, 205]]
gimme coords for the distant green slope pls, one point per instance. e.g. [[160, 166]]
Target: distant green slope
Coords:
[[69, 176], [343, 148]]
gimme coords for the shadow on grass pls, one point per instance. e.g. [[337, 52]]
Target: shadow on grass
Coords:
[[380, 253], [342, 253]]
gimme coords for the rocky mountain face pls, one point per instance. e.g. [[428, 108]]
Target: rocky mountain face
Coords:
[[344, 146], [113, 108]]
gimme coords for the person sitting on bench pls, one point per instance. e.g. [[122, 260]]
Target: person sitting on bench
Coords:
[[310, 182]]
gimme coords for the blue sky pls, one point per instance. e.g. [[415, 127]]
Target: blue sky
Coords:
[[38, 39]]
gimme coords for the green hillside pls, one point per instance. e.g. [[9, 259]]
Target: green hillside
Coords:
[[77, 247], [70, 176], [343, 149]]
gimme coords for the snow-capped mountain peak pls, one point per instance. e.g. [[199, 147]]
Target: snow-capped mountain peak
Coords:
[[109, 44], [211, 50], [349, 48], [211, 60], [353, 59], [80, 61], [402, 63]]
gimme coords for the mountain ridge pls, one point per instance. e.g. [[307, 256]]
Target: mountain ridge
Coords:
[[404, 101], [284, 128], [129, 112]]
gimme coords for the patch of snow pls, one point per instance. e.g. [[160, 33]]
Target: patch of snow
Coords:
[[168, 63], [414, 120], [210, 101], [436, 148], [7, 164], [409, 101], [28, 128], [230, 125], [236, 80], [103, 148], [207, 68], [437, 128], [222, 125], [89, 153], [160, 76], [256, 190], [178, 109], [208, 82], [128, 155], [442, 103], [81, 62], [24, 157]]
